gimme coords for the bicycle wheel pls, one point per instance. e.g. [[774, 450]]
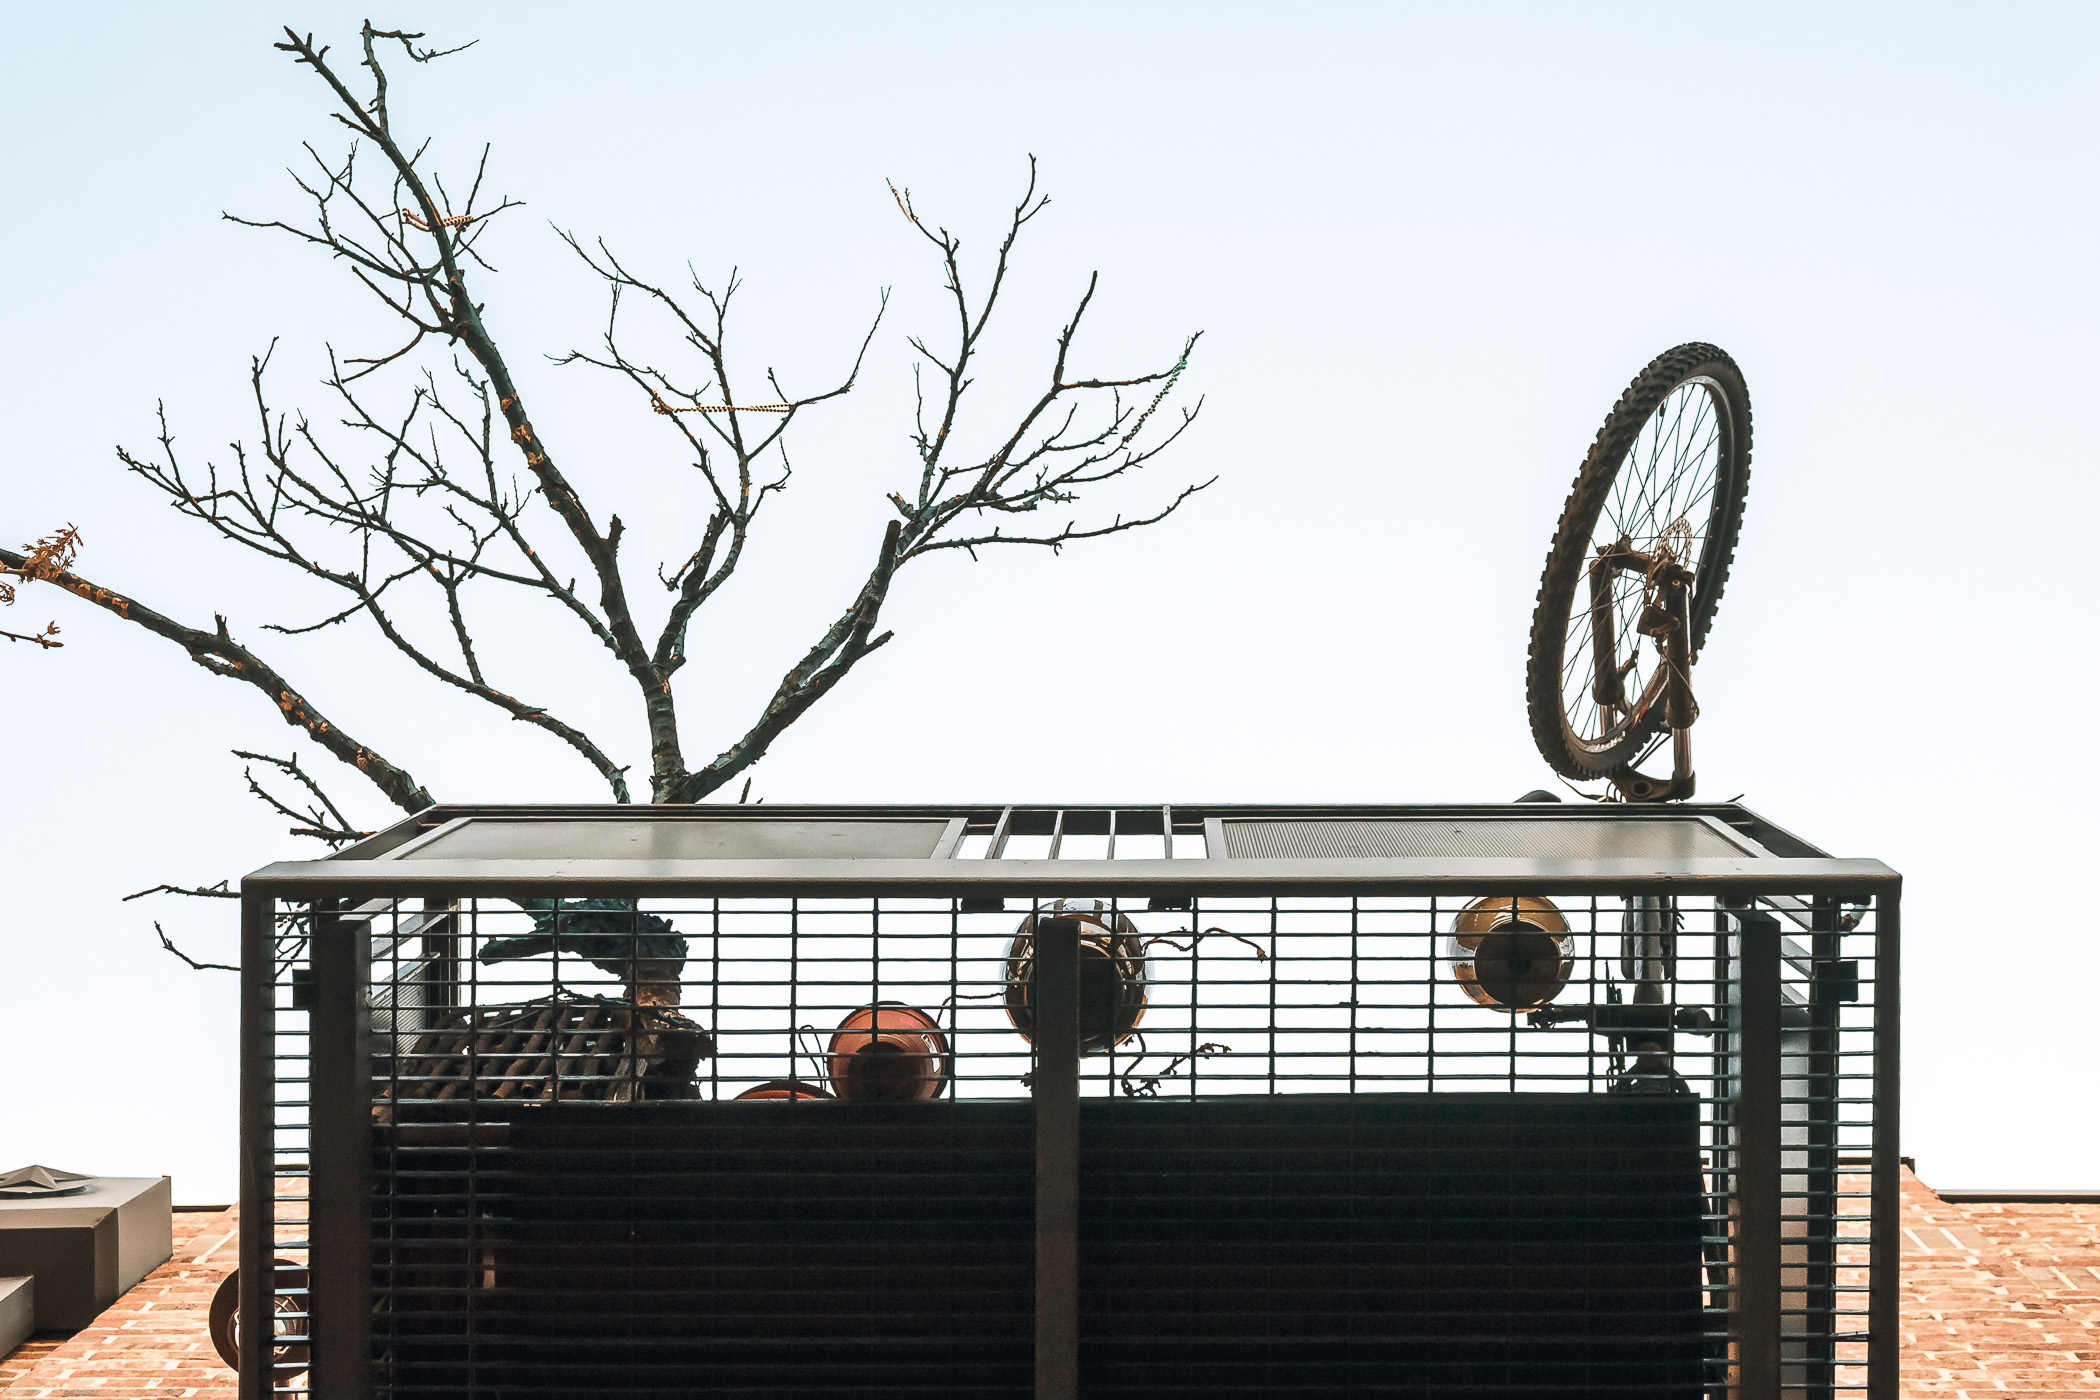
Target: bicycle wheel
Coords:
[[1669, 468]]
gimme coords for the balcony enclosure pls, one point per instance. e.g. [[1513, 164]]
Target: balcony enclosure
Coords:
[[1470, 1101]]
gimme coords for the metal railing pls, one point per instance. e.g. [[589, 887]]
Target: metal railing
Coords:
[[408, 1067]]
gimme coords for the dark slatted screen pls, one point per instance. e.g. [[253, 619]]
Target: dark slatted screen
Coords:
[[1491, 1245], [1476, 1245]]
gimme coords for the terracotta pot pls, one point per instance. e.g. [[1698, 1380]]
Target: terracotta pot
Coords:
[[1511, 954], [889, 1052], [1112, 971], [784, 1090]]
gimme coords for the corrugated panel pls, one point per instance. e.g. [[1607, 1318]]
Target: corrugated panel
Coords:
[[489, 838], [1513, 837], [1485, 1246]]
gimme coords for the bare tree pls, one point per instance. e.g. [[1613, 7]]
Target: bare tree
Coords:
[[421, 500]]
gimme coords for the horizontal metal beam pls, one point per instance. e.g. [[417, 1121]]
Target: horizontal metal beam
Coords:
[[703, 811], [1099, 878], [1772, 837]]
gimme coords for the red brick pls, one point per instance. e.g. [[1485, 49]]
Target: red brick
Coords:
[[151, 1341]]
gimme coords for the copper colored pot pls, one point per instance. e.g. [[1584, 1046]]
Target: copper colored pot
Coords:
[[1511, 954], [1112, 970], [888, 1052], [784, 1090]]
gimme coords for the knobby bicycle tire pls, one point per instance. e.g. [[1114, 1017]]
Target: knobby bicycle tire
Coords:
[[1546, 679]]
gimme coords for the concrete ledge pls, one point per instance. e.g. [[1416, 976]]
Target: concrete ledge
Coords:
[[17, 1312], [1982, 1196], [86, 1251]]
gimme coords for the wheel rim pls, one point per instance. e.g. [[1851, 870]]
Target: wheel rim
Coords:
[[1665, 492]]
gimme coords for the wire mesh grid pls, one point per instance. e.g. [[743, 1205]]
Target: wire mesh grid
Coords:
[[290, 1062], [524, 1059]]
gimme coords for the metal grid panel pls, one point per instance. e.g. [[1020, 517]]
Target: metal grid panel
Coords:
[[1538, 839], [496, 1095], [276, 1189]]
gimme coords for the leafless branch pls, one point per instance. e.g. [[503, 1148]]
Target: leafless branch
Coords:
[[301, 481], [216, 651], [1047, 458], [218, 891], [169, 944], [323, 822], [427, 490]]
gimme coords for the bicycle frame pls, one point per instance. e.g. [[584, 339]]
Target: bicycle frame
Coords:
[[1665, 617]]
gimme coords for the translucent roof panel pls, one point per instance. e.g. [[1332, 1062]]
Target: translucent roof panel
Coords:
[[686, 838]]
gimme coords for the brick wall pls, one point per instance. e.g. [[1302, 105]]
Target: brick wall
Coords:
[[152, 1340], [1999, 1300]]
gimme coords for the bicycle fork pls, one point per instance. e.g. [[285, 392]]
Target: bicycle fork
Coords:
[[1666, 618]]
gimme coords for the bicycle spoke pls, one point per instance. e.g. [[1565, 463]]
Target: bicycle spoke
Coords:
[[1670, 475]]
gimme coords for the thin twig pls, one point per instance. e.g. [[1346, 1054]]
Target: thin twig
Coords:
[[455, 221], [1260, 952], [168, 944], [328, 825], [1148, 1087], [659, 406], [218, 891]]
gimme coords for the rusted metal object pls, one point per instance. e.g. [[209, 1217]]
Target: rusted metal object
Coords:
[[1511, 953], [566, 1047], [289, 1326], [1112, 972], [889, 1052]]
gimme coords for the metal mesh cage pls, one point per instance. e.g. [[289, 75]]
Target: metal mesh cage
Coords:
[[1561, 1130]]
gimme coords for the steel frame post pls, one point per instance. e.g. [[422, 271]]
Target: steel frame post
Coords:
[[1885, 1253], [1757, 1156], [1822, 1090], [258, 1154], [1055, 1087], [339, 1261]]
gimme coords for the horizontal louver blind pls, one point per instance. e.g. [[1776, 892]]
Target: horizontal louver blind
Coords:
[[1469, 1245]]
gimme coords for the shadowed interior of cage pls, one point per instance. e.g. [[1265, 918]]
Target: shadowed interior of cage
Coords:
[[1313, 1161]]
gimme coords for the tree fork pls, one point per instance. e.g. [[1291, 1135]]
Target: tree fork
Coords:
[[464, 322]]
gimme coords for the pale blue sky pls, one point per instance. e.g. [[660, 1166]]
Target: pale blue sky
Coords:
[[1428, 244]]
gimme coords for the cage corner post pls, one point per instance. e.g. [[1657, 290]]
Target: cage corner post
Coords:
[[1055, 1087], [258, 1128], [1885, 1257], [1757, 1148], [340, 1252]]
